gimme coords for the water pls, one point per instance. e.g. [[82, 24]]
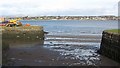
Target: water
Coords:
[[75, 41], [75, 27]]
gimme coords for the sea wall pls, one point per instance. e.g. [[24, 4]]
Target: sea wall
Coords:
[[19, 35], [22, 33], [110, 45]]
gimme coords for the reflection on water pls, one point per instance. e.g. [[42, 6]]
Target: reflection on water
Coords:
[[23, 43], [8, 56], [17, 44]]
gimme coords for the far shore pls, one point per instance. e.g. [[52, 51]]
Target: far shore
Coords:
[[65, 17]]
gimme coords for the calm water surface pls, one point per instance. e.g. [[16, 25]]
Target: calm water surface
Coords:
[[75, 27]]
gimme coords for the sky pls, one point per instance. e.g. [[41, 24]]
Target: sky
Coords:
[[58, 7]]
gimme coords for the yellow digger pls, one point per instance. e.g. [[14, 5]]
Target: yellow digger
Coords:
[[13, 22]]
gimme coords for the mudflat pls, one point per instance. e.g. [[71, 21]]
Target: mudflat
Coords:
[[51, 54]]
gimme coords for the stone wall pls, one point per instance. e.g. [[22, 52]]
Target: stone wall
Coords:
[[19, 35], [110, 45], [22, 33]]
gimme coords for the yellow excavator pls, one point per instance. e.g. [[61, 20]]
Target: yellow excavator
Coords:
[[14, 22]]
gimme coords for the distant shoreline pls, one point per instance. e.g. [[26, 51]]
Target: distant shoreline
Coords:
[[65, 18]]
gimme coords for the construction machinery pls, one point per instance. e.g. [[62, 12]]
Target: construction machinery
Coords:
[[10, 23]]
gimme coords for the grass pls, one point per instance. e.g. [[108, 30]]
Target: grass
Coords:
[[23, 28], [116, 31]]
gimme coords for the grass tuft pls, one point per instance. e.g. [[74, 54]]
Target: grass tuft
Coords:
[[116, 31]]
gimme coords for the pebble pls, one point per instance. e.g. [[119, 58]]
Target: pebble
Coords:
[[12, 58], [19, 59], [37, 36], [53, 59], [18, 36]]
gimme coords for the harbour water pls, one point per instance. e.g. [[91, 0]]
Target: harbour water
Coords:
[[75, 27], [68, 43]]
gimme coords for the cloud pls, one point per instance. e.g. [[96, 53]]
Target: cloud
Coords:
[[57, 7]]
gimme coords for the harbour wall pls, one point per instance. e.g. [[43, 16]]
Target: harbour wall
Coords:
[[110, 45], [22, 33]]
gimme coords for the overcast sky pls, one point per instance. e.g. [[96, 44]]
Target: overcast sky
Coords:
[[58, 7]]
